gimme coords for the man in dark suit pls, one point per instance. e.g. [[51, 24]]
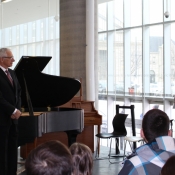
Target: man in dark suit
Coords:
[[10, 104]]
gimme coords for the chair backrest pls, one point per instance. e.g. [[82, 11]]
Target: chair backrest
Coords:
[[119, 123]]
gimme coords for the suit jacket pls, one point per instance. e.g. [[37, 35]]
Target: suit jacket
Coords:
[[10, 97]]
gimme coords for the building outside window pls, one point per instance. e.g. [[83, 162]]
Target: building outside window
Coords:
[[136, 57]]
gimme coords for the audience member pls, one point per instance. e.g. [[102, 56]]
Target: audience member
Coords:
[[169, 167], [49, 158], [82, 159], [148, 159]]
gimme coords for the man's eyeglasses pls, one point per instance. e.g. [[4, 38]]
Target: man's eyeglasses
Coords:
[[9, 57]]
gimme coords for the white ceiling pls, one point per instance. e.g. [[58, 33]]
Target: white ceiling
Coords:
[[103, 1], [21, 11]]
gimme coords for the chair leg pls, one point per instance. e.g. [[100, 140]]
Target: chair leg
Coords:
[[97, 148], [97, 154], [125, 149], [110, 154], [143, 142], [131, 146], [110, 148]]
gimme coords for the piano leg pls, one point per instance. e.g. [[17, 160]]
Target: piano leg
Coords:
[[25, 149], [72, 135]]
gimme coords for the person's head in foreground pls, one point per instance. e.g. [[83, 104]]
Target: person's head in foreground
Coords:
[[169, 167], [49, 158], [155, 123], [82, 159]]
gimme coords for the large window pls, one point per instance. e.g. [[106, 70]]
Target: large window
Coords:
[[136, 57], [29, 28]]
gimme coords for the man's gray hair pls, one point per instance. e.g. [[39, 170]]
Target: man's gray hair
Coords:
[[3, 52]]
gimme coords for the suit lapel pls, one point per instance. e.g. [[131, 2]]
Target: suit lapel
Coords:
[[6, 78]]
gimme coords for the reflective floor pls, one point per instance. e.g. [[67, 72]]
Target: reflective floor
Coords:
[[101, 166]]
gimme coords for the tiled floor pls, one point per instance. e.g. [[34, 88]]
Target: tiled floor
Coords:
[[104, 167], [101, 167]]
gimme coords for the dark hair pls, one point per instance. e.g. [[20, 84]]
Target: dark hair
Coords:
[[169, 167], [49, 158], [155, 123], [82, 159]]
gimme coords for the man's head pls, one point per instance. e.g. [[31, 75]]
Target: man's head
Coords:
[[51, 157], [6, 58], [155, 123]]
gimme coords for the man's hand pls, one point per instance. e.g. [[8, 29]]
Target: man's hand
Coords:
[[16, 115]]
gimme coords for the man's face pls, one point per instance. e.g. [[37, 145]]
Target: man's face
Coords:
[[7, 61]]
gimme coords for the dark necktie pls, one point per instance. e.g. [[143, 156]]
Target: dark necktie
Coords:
[[9, 77]]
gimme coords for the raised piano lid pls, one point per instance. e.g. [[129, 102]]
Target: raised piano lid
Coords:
[[44, 90]]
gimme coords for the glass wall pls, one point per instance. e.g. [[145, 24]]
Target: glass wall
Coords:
[[136, 57], [29, 28]]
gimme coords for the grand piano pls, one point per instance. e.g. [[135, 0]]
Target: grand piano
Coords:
[[41, 96]]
